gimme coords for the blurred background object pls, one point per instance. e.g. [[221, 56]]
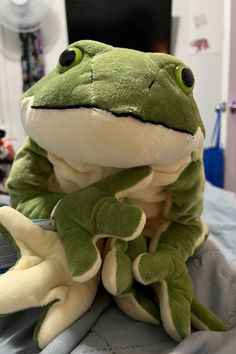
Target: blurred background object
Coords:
[[7, 154], [138, 24], [24, 15]]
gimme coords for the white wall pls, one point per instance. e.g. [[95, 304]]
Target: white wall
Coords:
[[207, 69], [54, 33]]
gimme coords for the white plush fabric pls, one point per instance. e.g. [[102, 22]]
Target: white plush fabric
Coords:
[[97, 137], [42, 276]]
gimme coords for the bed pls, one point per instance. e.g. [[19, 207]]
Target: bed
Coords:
[[105, 330]]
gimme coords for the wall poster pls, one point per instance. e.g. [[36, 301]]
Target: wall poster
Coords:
[[206, 27]]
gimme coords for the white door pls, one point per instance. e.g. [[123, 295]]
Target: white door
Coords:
[[229, 94]]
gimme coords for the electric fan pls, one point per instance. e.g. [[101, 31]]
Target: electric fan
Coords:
[[24, 15]]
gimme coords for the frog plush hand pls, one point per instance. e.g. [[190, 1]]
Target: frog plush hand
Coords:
[[41, 278], [94, 123]]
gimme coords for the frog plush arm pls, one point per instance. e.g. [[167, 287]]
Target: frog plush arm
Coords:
[[28, 182], [164, 266], [82, 217]]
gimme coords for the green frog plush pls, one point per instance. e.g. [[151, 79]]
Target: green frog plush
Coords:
[[114, 159]]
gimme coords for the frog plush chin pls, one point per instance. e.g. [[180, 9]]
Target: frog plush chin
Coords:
[[103, 139]]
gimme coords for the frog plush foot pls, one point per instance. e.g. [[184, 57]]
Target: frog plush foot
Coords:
[[165, 284], [139, 305], [41, 278], [167, 273], [117, 277], [162, 270], [117, 274]]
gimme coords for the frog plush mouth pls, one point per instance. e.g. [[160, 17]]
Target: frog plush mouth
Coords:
[[98, 137]]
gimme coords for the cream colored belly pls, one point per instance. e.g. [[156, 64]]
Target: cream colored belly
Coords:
[[154, 199]]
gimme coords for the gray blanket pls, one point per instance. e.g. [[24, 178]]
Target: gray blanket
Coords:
[[105, 330]]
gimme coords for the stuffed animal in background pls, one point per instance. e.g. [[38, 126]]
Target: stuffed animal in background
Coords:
[[114, 159], [7, 154]]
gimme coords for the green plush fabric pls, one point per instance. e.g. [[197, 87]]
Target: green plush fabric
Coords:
[[187, 194], [204, 319], [168, 274], [165, 266], [93, 213], [28, 182], [117, 265], [115, 145]]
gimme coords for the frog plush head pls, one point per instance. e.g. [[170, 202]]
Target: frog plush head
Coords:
[[114, 160], [114, 107]]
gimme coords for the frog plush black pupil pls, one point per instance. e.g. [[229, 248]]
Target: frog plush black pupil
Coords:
[[187, 77], [67, 57]]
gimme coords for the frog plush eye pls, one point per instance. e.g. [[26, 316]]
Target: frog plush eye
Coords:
[[184, 78], [69, 58]]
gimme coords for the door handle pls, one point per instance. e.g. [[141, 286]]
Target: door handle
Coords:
[[232, 106]]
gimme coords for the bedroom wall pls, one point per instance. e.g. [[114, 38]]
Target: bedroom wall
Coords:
[[207, 69], [54, 33]]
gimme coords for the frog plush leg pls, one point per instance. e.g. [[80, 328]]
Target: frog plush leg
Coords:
[[165, 269], [139, 302], [97, 211], [170, 280], [164, 266], [41, 278], [118, 279]]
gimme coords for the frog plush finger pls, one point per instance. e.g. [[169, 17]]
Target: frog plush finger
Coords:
[[41, 278], [102, 111]]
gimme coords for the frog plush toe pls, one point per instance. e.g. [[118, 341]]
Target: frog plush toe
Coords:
[[139, 305], [117, 274], [41, 278], [203, 318]]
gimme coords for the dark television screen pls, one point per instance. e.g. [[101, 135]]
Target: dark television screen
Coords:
[[138, 24]]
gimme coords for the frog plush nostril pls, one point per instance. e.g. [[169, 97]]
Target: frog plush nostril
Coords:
[[150, 85]]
